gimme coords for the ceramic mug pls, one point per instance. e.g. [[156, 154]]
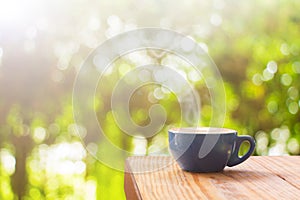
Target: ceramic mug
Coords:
[[207, 149]]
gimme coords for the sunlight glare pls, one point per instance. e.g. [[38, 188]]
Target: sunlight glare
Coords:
[[39, 134], [91, 189], [8, 161], [11, 11], [64, 158], [140, 146]]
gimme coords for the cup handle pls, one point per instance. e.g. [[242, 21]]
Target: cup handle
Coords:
[[235, 159]]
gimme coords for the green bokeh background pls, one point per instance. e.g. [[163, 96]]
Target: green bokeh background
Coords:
[[255, 44]]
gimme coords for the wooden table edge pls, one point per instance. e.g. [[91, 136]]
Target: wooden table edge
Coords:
[[130, 185]]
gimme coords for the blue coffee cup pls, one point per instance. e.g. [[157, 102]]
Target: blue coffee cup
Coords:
[[207, 149]]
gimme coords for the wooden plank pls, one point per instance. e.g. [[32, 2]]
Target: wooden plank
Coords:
[[252, 179], [259, 182], [285, 167]]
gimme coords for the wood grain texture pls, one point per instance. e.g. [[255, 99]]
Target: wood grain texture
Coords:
[[257, 178]]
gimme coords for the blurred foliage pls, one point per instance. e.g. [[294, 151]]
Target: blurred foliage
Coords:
[[255, 44]]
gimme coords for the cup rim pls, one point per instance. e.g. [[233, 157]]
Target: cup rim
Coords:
[[202, 130]]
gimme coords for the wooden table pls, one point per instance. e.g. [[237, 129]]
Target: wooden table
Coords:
[[260, 177]]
